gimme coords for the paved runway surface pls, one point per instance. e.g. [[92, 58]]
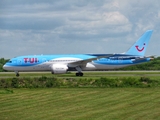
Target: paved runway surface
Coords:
[[86, 74]]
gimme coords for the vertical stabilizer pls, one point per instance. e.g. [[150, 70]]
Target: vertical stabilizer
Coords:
[[140, 46]]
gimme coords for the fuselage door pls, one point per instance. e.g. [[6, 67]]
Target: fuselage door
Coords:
[[19, 61]]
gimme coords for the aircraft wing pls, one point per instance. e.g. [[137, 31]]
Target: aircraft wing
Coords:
[[84, 62]]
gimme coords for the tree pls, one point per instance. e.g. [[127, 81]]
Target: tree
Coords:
[[2, 62]]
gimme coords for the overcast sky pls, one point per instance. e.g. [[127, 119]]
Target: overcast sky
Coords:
[[32, 27]]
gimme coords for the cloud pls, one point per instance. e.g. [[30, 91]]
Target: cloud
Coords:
[[75, 26]]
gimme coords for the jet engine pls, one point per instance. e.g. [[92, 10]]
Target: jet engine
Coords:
[[59, 69]]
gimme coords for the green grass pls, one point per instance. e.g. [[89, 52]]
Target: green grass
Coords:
[[80, 104]]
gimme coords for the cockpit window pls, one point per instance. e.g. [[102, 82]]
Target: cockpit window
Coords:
[[9, 61]]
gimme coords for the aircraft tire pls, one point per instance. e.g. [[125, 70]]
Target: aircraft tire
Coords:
[[17, 75], [79, 74]]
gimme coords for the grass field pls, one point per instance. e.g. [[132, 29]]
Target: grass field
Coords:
[[81, 103]]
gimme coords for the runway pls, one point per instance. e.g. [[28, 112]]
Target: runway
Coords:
[[87, 74]]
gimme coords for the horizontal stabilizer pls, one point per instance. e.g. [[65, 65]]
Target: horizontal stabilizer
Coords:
[[142, 59]]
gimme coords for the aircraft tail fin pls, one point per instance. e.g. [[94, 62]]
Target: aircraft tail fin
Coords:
[[140, 46]]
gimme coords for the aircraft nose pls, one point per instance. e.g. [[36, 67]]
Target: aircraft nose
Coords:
[[7, 67], [4, 67]]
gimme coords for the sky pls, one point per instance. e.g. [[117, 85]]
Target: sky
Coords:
[[32, 27]]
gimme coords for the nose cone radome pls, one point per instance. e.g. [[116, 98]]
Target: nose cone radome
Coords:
[[4, 67]]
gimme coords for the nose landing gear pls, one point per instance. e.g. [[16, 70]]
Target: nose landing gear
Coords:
[[17, 73]]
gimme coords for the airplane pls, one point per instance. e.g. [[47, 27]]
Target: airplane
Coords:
[[60, 64]]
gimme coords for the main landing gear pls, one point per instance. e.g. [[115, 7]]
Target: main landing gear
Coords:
[[79, 74]]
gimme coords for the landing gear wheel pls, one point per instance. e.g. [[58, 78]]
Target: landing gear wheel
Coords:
[[17, 74], [52, 72], [79, 74]]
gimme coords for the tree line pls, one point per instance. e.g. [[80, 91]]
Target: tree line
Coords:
[[152, 65], [2, 62]]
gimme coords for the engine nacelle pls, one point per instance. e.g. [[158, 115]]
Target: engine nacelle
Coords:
[[59, 69]]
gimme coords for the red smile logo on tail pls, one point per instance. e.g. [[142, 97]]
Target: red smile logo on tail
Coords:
[[140, 50]]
